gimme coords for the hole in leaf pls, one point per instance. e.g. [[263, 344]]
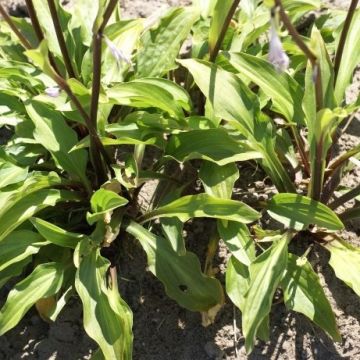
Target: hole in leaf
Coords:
[[183, 288]]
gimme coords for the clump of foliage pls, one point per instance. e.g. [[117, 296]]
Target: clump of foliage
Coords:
[[99, 107]]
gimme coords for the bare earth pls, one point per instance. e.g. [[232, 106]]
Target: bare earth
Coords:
[[163, 330]]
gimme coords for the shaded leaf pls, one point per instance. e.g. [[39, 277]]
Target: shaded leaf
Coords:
[[218, 180], [237, 282]]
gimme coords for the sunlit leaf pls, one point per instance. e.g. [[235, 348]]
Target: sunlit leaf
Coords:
[[350, 57], [55, 234], [219, 18], [160, 45], [303, 293], [44, 281], [52, 132], [107, 318], [11, 174], [204, 205], [265, 274], [214, 145], [238, 239], [180, 274], [285, 93], [345, 260], [298, 212], [104, 201]]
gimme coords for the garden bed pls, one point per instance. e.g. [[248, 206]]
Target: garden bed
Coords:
[[163, 330]]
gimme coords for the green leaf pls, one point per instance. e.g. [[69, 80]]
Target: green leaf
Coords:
[[172, 227], [303, 293], [19, 245], [349, 59], [44, 281], [345, 260], [237, 286], [107, 318], [219, 17], [297, 8], [11, 174], [265, 274], [40, 58], [238, 239], [30, 205], [125, 36], [237, 282], [204, 205], [177, 92], [160, 46], [285, 93], [145, 94], [52, 132], [298, 212], [180, 274], [218, 180], [55, 234], [132, 139], [85, 23], [102, 202], [206, 7], [13, 270], [199, 144], [253, 21], [229, 96], [20, 204], [327, 79], [231, 100], [321, 131]]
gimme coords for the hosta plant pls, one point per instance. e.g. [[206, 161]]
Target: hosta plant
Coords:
[[101, 107]]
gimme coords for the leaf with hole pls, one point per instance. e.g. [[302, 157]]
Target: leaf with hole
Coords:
[[180, 274]]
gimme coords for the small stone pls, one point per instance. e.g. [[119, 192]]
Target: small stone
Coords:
[[259, 185]]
